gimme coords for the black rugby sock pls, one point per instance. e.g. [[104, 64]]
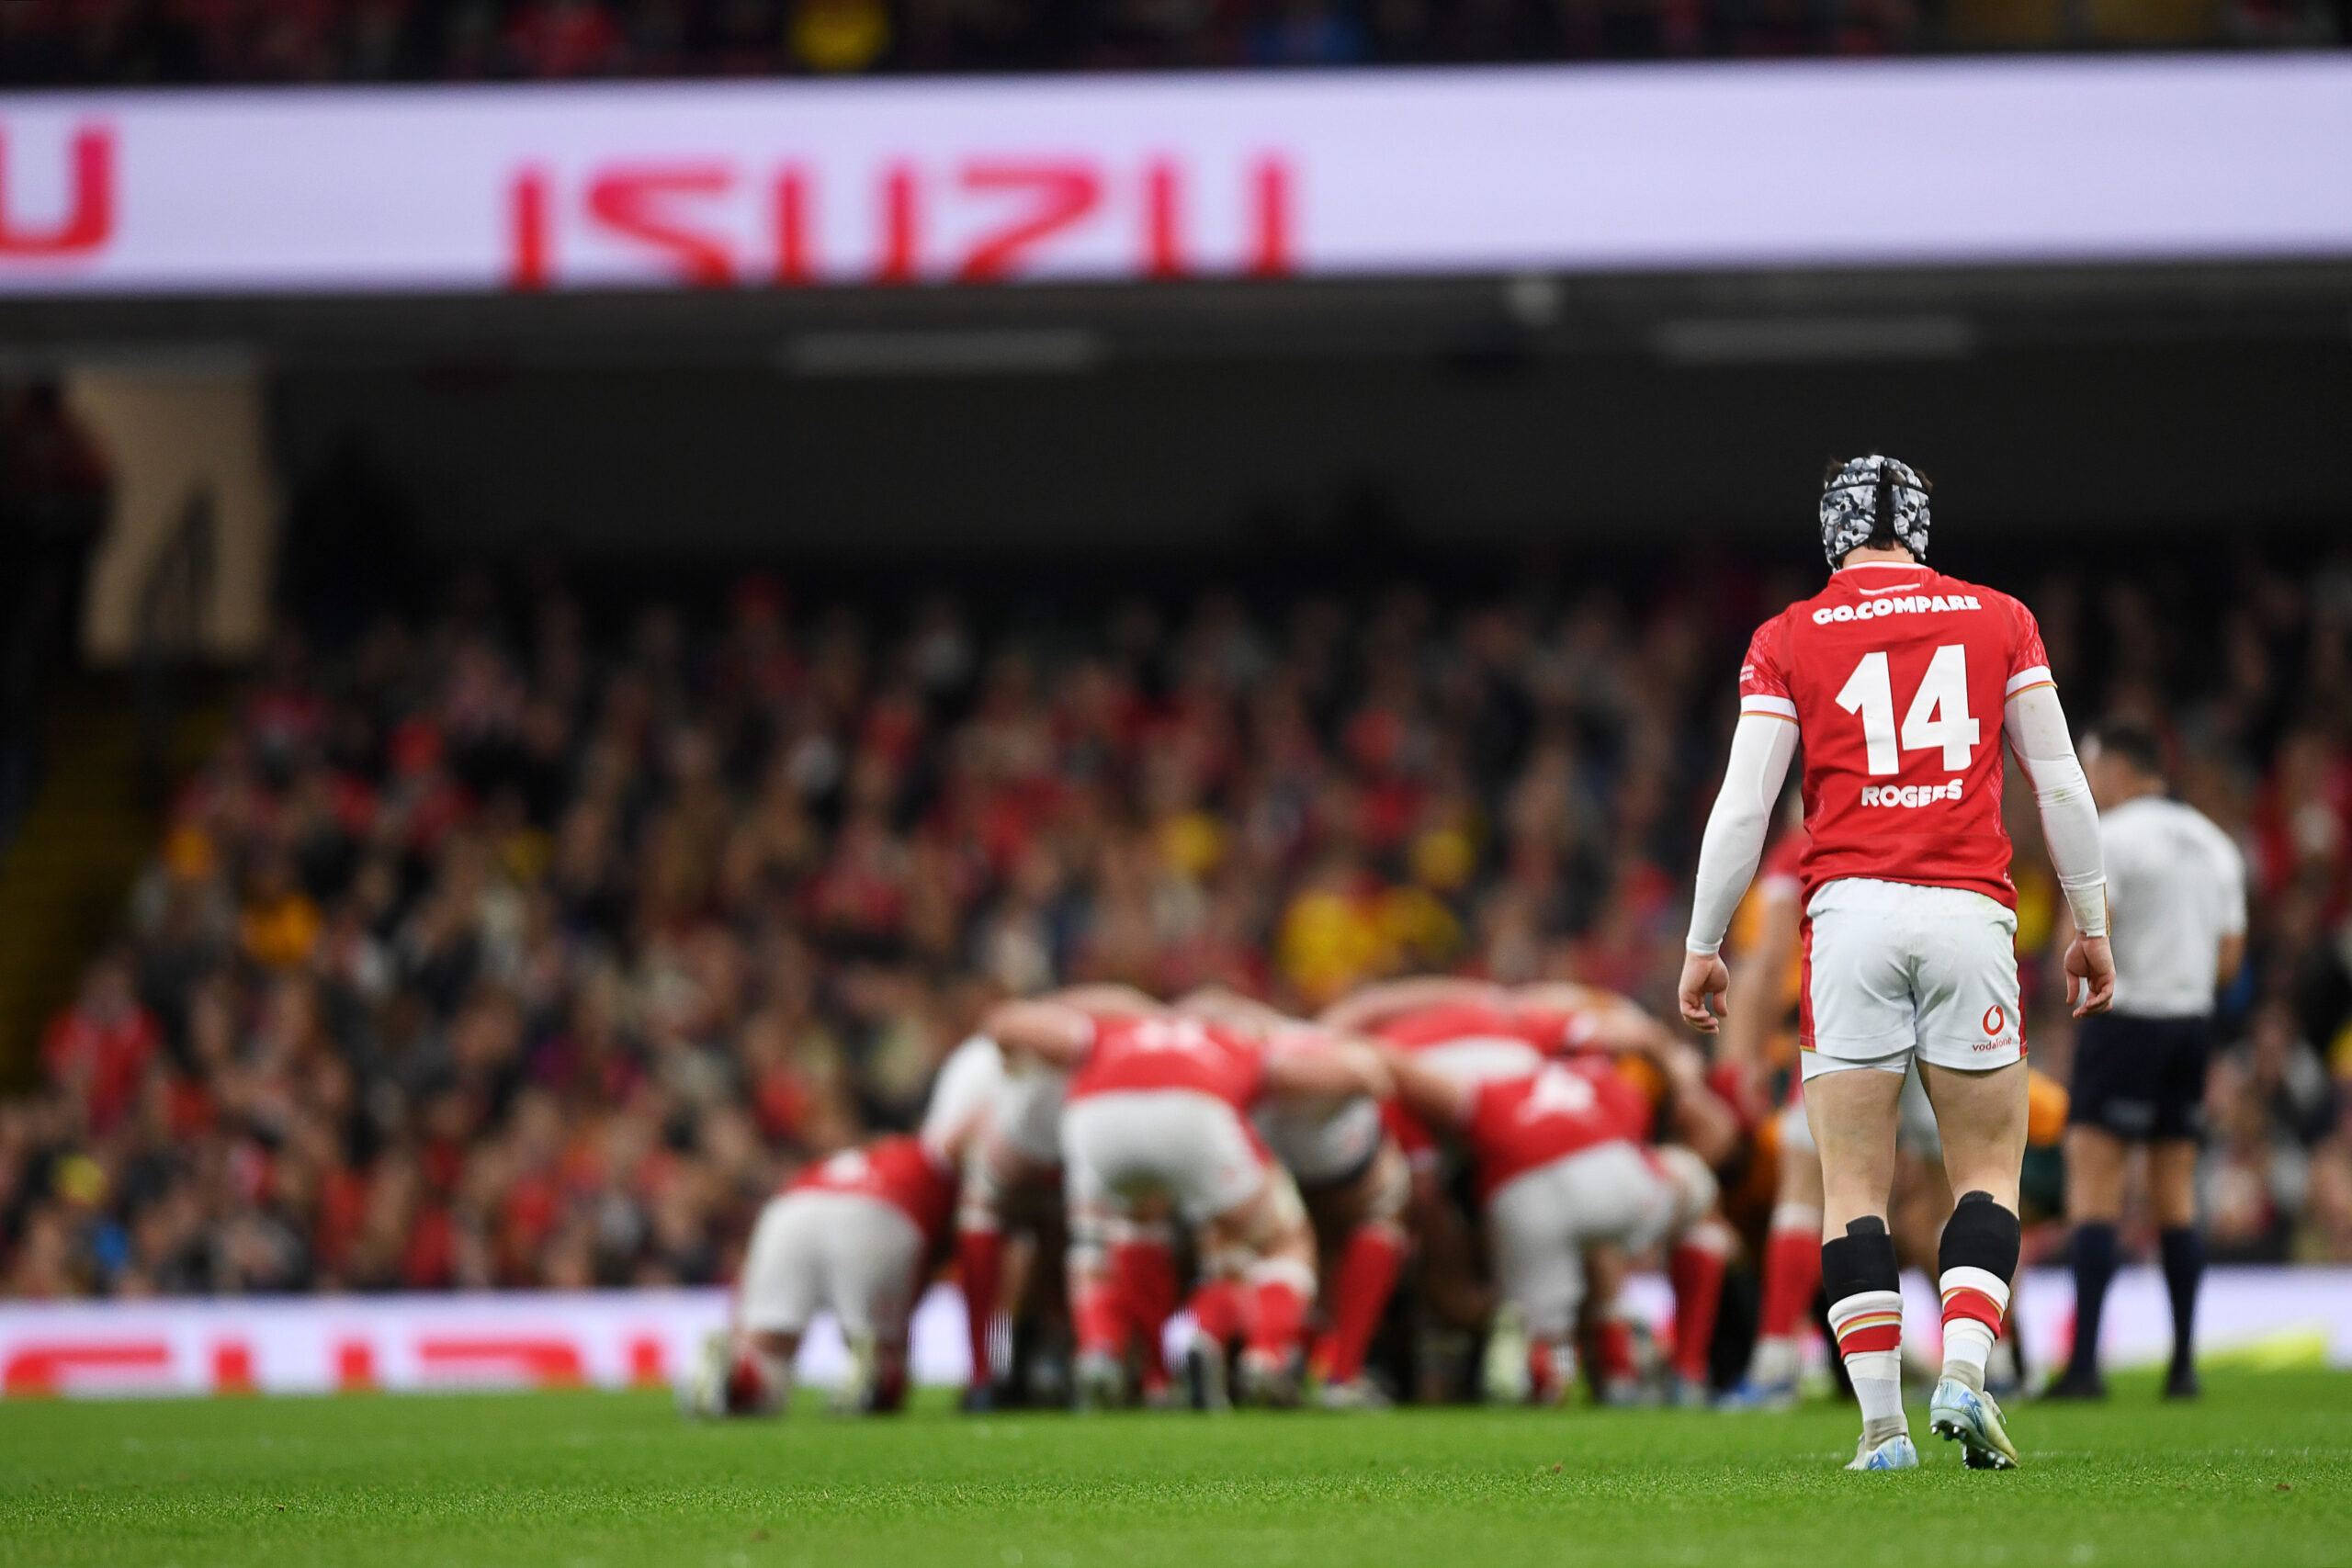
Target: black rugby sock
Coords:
[[2094, 1267], [2183, 1256]]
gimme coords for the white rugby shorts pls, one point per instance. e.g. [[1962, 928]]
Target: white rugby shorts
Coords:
[[1541, 1221], [1189, 1148], [1894, 971], [1321, 1141], [813, 1251]]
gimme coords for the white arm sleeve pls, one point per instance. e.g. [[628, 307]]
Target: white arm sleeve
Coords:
[[1733, 842], [2037, 731]]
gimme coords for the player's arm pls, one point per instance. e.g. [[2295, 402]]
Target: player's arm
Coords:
[[2232, 868], [1106, 996], [1053, 1033], [2035, 724], [1761, 748], [1316, 1064], [1563, 996], [2229, 960], [1697, 1116], [1606, 1021], [1437, 1100], [1372, 1006], [1748, 1013], [1222, 1004]]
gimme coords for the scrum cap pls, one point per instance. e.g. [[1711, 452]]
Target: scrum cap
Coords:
[[1873, 497]]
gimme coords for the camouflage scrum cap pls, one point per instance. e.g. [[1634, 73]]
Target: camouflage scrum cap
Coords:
[[1858, 494]]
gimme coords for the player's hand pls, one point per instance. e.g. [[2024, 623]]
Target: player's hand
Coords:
[[2089, 960], [1705, 980]]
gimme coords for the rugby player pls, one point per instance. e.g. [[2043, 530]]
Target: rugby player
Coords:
[[1357, 1186], [1561, 1170], [1012, 1180], [858, 1234], [1473, 1032], [1156, 1123], [1909, 917]]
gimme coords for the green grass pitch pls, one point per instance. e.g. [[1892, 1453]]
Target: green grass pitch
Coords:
[[2260, 1473]]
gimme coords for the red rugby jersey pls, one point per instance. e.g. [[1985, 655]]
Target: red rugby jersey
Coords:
[[1133, 1053], [898, 1170], [1897, 677], [1519, 1124]]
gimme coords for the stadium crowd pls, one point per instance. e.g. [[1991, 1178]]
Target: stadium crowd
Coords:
[[111, 43], [486, 953]]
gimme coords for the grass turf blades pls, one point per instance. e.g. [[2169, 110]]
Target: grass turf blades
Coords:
[[2260, 1471]]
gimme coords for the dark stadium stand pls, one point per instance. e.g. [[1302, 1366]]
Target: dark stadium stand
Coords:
[[141, 43]]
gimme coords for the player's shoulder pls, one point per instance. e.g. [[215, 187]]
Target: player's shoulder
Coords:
[[1766, 661], [1980, 596]]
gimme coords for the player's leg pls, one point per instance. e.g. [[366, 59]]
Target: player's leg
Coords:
[[749, 1371], [1921, 1202], [1972, 1061], [872, 1265], [1609, 1335], [1370, 1257], [1245, 1206], [2172, 1192], [1982, 1115], [979, 1265], [1092, 1136], [1859, 1023], [2171, 1196], [2095, 1161], [1852, 1110], [1696, 1259], [1278, 1286], [1143, 1274], [1540, 1286], [1791, 1273], [1633, 1198], [1220, 1317], [2105, 1107]]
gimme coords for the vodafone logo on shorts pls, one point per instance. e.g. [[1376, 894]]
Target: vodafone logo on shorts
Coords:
[[1998, 1034]]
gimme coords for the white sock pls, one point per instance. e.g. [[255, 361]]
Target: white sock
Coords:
[[1975, 1299], [1869, 1326]]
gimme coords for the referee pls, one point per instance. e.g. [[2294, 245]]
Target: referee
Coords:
[[2176, 896]]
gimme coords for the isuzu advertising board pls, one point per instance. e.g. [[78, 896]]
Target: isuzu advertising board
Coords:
[[982, 181], [650, 1339]]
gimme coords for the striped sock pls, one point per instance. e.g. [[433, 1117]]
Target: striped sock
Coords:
[[1869, 1326], [1975, 1299]]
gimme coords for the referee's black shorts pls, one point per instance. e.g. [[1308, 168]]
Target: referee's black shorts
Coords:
[[2140, 1078]]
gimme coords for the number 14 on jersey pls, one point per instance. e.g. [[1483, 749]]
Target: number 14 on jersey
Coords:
[[1937, 718]]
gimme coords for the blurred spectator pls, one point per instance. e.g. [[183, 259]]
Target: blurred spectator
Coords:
[[566, 38]]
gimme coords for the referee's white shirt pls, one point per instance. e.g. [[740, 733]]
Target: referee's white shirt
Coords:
[[2176, 887]]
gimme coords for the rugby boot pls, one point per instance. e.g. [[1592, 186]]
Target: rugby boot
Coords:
[[1958, 1414], [1896, 1453]]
